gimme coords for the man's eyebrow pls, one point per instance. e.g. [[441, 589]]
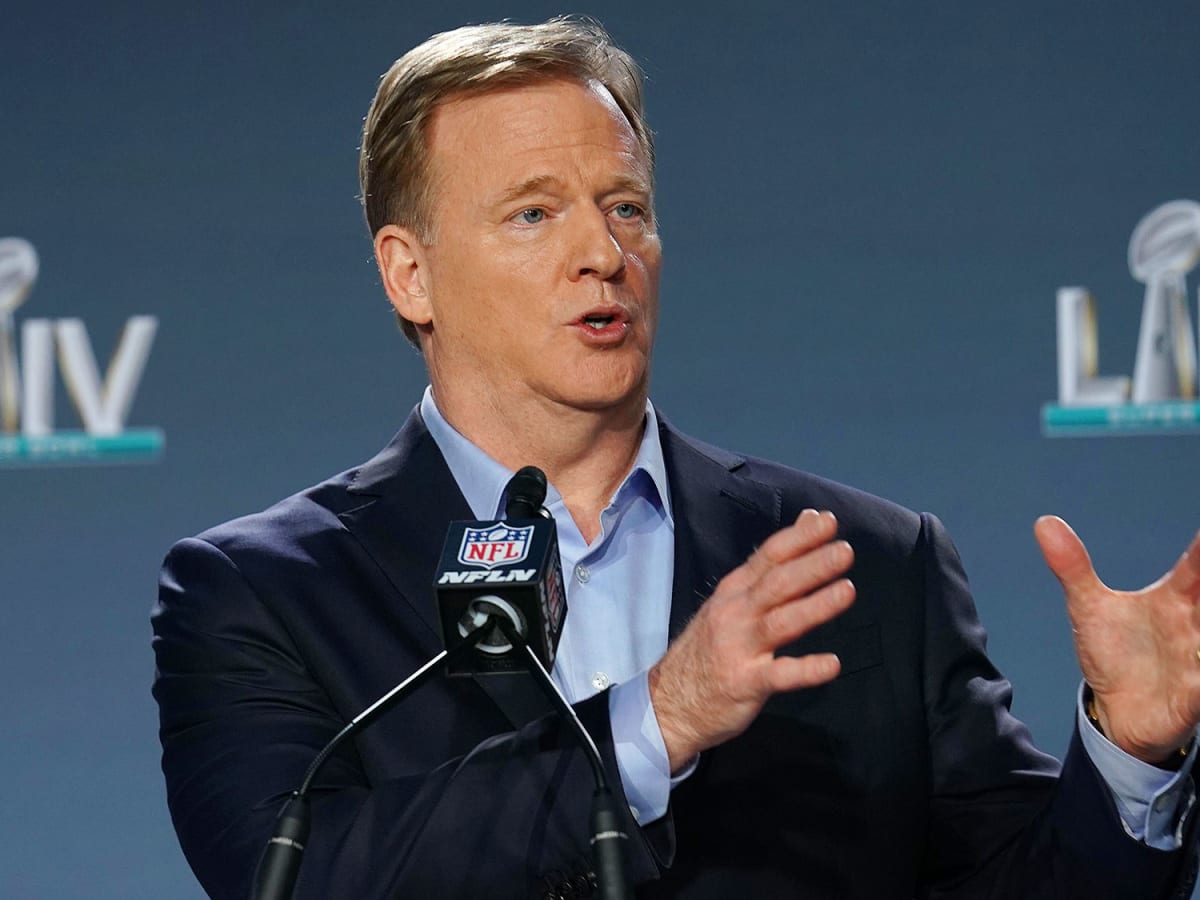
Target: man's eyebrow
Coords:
[[633, 184], [549, 183], [536, 184]]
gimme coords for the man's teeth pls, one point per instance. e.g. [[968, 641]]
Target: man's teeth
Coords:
[[597, 322]]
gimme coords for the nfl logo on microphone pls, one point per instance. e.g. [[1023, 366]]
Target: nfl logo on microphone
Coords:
[[500, 545]]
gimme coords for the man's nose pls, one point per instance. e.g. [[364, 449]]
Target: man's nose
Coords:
[[596, 250]]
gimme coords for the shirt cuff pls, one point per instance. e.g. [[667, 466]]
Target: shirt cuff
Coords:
[[641, 753], [1150, 800]]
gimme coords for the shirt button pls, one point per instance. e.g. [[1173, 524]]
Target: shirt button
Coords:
[[634, 810], [600, 681], [1161, 804], [583, 573]]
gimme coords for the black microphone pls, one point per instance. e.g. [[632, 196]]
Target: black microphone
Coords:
[[525, 494], [507, 568], [508, 619], [514, 591]]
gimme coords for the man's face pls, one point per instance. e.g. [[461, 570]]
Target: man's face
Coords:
[[542, 278]]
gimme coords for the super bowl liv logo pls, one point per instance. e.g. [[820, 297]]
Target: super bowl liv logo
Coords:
[[1161, 395], [27, 434]]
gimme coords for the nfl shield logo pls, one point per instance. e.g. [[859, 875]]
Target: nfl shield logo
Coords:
[[499, 545]]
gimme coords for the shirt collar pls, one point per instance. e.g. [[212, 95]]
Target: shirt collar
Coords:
[[482, 479]]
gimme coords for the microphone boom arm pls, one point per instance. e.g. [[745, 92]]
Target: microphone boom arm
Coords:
[[279, 865]]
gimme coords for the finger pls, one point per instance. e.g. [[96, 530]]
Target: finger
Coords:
[[801, 576], [1065, 555], [811, 529], [790, 673], [789, 621], [1185, 576]]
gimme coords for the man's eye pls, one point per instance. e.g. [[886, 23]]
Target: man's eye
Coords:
[[532, 216], [627, 210]]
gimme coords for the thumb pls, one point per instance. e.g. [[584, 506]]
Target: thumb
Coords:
[[1065, 555]]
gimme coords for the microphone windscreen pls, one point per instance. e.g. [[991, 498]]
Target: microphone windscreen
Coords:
[[526, 492]]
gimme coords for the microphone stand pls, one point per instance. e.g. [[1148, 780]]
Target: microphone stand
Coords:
[[279, 866]]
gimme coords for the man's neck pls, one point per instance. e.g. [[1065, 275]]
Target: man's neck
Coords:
[[585, 454]]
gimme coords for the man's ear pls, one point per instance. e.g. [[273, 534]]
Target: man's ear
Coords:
[[405, 272]]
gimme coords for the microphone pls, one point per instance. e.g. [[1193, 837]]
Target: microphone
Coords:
[[508, 569], [525, 494], [484, 632], [515, 581]]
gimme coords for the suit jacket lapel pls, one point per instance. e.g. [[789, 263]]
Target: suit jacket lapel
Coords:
[[720, 517], [409, 498]]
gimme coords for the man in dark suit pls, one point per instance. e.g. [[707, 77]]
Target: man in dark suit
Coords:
[[804, 733]]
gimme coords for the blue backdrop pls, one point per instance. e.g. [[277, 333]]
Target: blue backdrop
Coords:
[[867, 209]]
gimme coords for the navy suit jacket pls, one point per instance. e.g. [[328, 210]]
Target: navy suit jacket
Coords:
[[905, 777]]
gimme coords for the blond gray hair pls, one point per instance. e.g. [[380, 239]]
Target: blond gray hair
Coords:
[[393, 164]]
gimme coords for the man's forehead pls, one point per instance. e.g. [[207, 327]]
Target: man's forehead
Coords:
[[530, 117]]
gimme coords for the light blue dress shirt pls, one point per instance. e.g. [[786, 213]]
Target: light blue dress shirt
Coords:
[[618, 597], [619, 606]]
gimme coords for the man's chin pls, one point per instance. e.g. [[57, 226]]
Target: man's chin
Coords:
[[608, 398]]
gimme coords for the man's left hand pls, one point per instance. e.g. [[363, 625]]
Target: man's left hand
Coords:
[[1139, 650]]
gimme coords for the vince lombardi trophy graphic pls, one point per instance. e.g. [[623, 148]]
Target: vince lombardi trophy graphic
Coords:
[[18, 270], [1164, 247]]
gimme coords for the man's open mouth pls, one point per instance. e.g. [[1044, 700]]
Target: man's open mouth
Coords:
[[598, 322]]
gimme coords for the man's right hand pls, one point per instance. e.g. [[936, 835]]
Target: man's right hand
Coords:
[[716, 676]]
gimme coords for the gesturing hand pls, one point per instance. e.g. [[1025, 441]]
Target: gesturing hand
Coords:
[[716, 676], [1139, 650]]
